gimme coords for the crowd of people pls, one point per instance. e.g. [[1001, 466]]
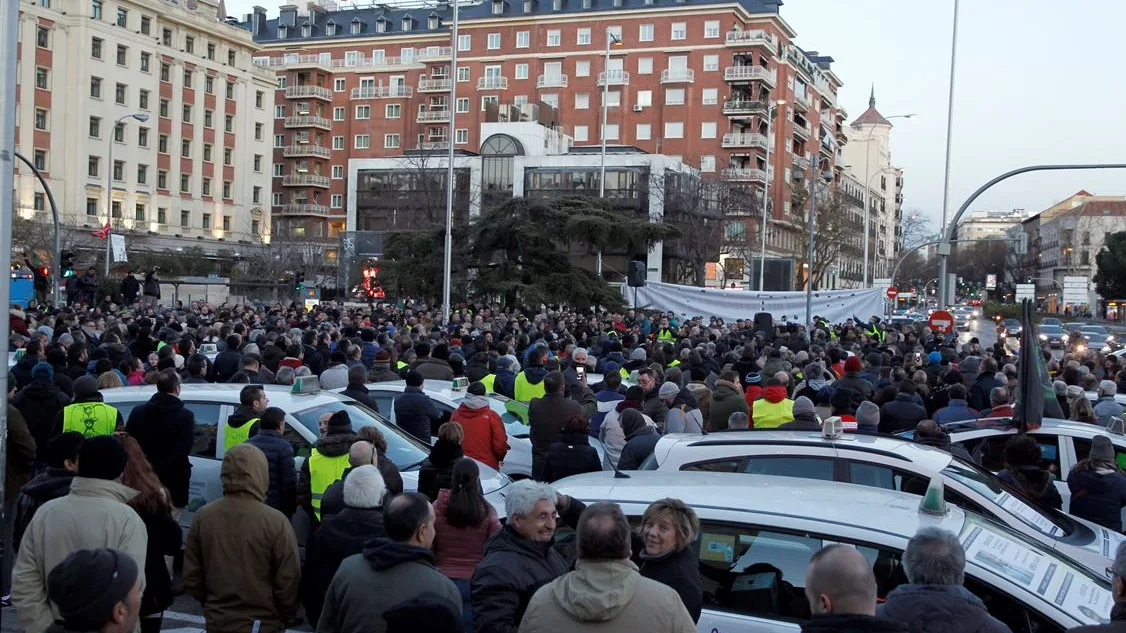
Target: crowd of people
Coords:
[[378, 557]]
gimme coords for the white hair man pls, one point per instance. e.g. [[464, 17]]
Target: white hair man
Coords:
[[936, 564], [518, 560], [1107, 407]]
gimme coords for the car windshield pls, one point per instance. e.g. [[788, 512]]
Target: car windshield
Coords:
[[1093, 329], [1055, 322], [989, 486], [404, 451], [1012, 323], [1050, 329]]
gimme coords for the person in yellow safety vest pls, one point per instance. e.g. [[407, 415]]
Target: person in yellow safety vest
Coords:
[[665, 334], [327, 462], [503, 380], [774, 408], [529, 383], [243, 422], [88, 415]]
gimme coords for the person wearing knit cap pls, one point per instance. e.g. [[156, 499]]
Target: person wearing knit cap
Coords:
[[867, 417], [862, 389], [1098, 486], [805, 417], [93, 515], [327, 462], [95, 590], [88, 414]]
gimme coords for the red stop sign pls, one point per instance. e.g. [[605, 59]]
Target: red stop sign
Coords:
[[893, 292], [941, 321]]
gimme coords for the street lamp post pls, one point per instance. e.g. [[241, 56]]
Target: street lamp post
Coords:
[[452, 109], [611, 39], [944, 249], [141, 117], [868, 188], [770, 114]]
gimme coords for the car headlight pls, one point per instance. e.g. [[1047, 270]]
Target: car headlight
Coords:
[[1064, 337], [1043, 337], [1110, 337]]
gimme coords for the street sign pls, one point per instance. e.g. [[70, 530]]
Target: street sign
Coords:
[[1025, 291], [941, 321], [991, 282], [893, 292], [1076, 290]]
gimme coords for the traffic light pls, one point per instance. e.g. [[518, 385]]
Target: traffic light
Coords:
[[67, 263], [299, 281]]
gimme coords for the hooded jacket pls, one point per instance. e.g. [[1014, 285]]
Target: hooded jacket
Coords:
[[47, 485], [92, 515], [336, 539], [484, 438], [505, 383], [434, 369], [611, 434], [726, 399], [331, 445], [41, 403], [20, 463], [861, 389], [610, 595], [608, 399], [773, 409], [654, 407], [437, 470], [381, 372], [415, 413], [513, 569], [240, 559], [641, 439], [385, 575], [571, 455], [1035, 482], [939, 609], [684, 415], [901, 414], [165, 429], [282, 495], [546, 417], [1098, 496]]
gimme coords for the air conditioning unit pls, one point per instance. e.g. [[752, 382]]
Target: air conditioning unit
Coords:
[[638, 107]]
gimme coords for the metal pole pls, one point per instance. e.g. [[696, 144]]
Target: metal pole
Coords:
[[109, 192], [946, 173], [602, 168], [867, 201], [9, 50], [448, 270], [56, 258], [809, 253], [770, 114]]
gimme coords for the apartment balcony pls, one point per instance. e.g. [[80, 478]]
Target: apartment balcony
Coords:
[[308, 121], [293, 62], [494, 82], [432, 53], [434, 145], [734, 141], [434, 116], [434, 84], [305, 180], [744, 109], [613, 78], [751, 38], [551, 81], [802, 130], [802, 101], [678, 76], [302, 209], [382, 92], [801, 163], [304, 150], [748, 73], [738, 174], [308, 92]]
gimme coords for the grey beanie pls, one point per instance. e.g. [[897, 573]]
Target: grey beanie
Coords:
[[638, 354], [668, 390], [804, 405], [85, 387]]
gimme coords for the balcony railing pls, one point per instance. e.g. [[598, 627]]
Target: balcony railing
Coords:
[[678, 76], [305, 180], [434, 84], [744, 140], [382, 92], [433, 116], [493, 82], [801, 163], [307, 149], [303, 209], [432, 53], [750, 73], [434, 145], [304, 92], [750, 38], [551, 81], [801, 129], [736, 174], [308, 121], [613, 78], [744, 108], [802, 101]]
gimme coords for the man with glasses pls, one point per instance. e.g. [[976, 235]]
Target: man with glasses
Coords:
[[1117, 573]]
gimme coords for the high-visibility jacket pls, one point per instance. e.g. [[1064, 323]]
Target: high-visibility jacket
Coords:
[[525, 390], [235, 435], [488, 382], [674, 363], [400, 365], [90, 418], [665, 334], [323, 472], [769, 415], [624, 373]]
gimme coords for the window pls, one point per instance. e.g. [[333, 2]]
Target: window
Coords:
[[258, 128], [710, 96], [185, 183], [363, 112], [644, 132], [146, 25], [674, 129], [613, 98], [279, 111], [231, 89], [186, 221], [711, 63], [165, 71], [143, 100], [210, 51], [645, 65], [161, 215], [362, 141], [189, 44], [254, 227], [143, 137], [582, 36], [92, 166], [91, 206], [257, 160], [161, 181], [390, 141], [115, 209], [96, 47], [462, 105], [146, 62], [336, 201], [612, 132], [338, 142], [122, 55], [461, 137], [142, 175], [554, 37], [96, 87], [119, 133], [232, 57], [679, 31], [463, 73], [581, 134], [279, 140], [615, 32], [163, 108], [338, 172], [711, 28], [186, 114], [209, 85], [226, 223], [40, 119], [207, 152], [393, 111], [645, 33], [277, 199], [521, 71], [119, 94], [582, 68], [338, 113], [279, 170], [339, 84], [226, 190], [162, 144], [582, 100], [674, 96], [523, 40], [186, 148], [380, 26], [645, 98], [39, 202], [42, 37], [206, 190], [39, 159], [492, 41], [708, 129], [463, 42]]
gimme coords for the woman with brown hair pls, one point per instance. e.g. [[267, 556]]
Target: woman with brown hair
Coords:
[[154, 505], [436, 472]]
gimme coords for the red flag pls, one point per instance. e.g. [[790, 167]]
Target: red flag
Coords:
[[102, 233]]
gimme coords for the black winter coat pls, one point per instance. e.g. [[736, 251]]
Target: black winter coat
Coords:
[[282, 493], [513, 569], [360, 394], [165, 429], [1117, 622], [338, 538], [1036, 483], [850, 623], [22, 369], [40, 403], [938, 609], [901, 414], [47, 485], [861, 389], [438, 470], [638, 448], [979, 393], [546, 417], [226, 364], [332, 502], [416, 414], [164, 540], [572, 455], [1098, 497]]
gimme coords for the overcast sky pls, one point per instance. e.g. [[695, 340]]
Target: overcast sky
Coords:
[[1039, 81]]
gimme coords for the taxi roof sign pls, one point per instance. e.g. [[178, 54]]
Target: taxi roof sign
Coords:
[[304, 385], [933, 502]]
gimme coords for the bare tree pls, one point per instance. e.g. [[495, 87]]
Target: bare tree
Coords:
[[838, 232], [700, 209]]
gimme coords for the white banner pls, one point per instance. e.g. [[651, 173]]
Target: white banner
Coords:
[[117, 245], [688, 301]]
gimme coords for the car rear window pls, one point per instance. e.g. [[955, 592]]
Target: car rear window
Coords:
[[989, 486]]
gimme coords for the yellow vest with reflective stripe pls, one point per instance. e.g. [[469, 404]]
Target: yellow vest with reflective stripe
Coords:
[[235, 435], [624, 373], [674, 363], [323, 472], [769, 415], [400, 365], [666, 335], [488, 382], [90, 418], [525, 391]]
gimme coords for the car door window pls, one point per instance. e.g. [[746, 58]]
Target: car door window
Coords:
[[301, 446], [756, 572], [1083, 451], [206, 433], [446, 411], [786, 466], [729, 465], [877, 476], [386, 403]]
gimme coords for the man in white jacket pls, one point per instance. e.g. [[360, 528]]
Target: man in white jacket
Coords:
[[94, 515]]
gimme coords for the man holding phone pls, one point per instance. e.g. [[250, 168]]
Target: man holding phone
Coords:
[[574, 373]]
